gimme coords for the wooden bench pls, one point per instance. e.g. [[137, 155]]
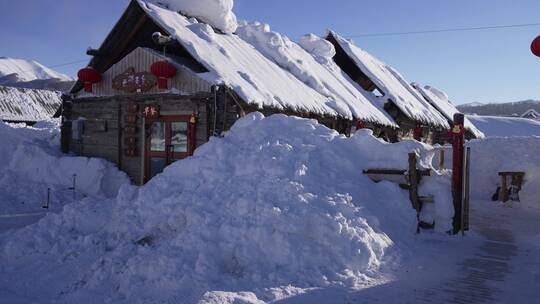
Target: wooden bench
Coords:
[[516, 182]]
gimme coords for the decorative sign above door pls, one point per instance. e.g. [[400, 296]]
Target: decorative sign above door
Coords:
[[151, 111], [131, 81]]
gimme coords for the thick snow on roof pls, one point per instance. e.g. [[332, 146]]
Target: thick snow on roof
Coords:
[[217, 13], [441, 102], [18, 104], [28, 70], [495, 126], [316, 70], [234, 62], [393, 85]]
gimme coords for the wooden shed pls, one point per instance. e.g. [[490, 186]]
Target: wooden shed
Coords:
[[162, 83]]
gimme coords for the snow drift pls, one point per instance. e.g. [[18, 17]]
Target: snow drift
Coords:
[[495, 126], [32, 162], [493, 155], [217, 13], [277, 201]]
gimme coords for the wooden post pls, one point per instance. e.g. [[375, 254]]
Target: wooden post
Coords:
[[441, 159], [413, 180], [457, 132], [466, 187], [504, 189]]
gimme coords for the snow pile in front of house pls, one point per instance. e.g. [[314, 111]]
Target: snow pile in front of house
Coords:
[[32, 162], [493, 155], [441, 102], [495, 126], [278, 203], [217, 13], [317, 70]]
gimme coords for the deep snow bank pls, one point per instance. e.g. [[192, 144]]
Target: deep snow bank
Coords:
[[494, 126], [217, 13], [278, 201], [32, 162], [492, 155]]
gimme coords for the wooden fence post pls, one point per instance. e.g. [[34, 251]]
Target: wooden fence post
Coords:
[[466, 188], [441, 159], [413, 181]]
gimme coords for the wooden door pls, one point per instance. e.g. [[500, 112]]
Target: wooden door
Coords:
[[168, 140]]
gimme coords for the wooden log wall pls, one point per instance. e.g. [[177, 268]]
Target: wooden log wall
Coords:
[[110, 131]]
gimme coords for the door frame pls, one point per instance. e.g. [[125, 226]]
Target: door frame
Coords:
[[148, 153]]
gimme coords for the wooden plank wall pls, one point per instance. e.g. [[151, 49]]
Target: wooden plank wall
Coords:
[[100, 134], [185, 81]]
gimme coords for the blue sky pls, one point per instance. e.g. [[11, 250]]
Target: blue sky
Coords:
[[486, 66]]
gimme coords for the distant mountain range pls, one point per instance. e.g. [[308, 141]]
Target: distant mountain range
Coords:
[[24, 73], [500, 109]]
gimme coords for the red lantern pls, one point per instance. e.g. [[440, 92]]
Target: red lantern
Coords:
[[535, 46], [163, 70], [89, 76], [417, 133]]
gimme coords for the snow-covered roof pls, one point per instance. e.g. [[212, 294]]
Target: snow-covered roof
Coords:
[[392, 85], [531, 114], [235, 63], [316, 69], [18, 104], [441, 102]]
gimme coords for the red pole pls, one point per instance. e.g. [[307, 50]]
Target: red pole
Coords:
[[457, 133]]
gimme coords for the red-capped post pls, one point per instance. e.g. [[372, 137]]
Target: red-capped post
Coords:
[[458, 136]]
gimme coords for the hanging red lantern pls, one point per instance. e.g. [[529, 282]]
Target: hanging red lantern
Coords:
[[535, 46], [417, 133], [163, 70], [89, 76]]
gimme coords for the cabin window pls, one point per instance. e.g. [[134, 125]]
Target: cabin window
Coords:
[[157, 140], [179, 136], [77, 128]]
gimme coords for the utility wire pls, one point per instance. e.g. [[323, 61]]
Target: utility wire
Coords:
[[459, 29], [67, 63]]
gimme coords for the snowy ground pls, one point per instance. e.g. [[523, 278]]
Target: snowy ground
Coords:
[[262, 215]]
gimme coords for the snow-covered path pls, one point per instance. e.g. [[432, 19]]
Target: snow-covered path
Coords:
[[482, 277], [497, 262]]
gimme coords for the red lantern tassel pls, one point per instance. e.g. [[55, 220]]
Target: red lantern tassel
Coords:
[[88, 87], [162, 83]]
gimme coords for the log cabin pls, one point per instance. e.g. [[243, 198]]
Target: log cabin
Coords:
[[162, 83], [416, 117]]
